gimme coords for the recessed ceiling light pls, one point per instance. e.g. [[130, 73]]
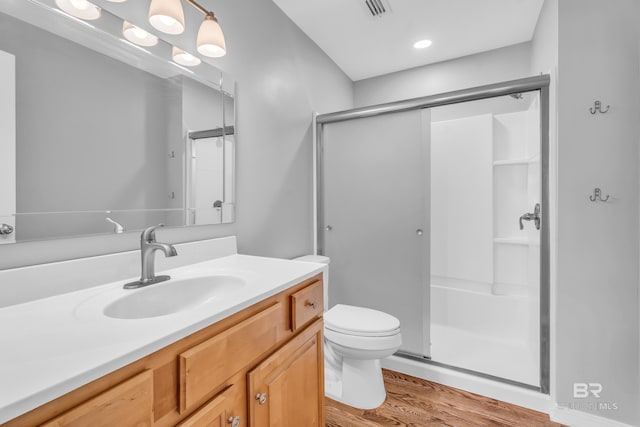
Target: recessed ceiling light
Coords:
[[421, 44]]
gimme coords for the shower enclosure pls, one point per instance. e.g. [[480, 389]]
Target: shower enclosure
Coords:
[[434, 210]]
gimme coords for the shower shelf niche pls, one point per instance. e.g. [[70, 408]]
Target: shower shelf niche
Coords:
[[516, 162], [516, 165], [512, 241]]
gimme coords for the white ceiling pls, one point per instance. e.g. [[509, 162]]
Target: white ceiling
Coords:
[[364, 46]]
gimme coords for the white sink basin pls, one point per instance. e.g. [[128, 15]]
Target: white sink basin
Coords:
[[172, 296]]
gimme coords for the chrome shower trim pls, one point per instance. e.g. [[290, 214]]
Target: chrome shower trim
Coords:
[[454, 97], [539, 83]]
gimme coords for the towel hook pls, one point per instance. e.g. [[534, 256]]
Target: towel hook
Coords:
[[597, 108], [597, 196]]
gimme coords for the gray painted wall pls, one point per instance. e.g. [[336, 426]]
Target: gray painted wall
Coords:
[[507, 63], [597, 262], [282, 78]]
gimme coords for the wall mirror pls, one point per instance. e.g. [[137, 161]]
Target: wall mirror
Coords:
[[108, 135]]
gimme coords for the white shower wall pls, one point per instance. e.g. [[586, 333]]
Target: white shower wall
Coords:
[[485, 173]]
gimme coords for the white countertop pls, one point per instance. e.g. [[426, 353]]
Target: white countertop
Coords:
[[53, 345]]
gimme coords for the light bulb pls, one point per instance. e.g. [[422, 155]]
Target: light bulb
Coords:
[[210, 38], [184, 58], [80, 4], [137, 35], [80, 9], [167, 16]]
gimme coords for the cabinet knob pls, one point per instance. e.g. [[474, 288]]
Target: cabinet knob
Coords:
[[234, 421], [311, 304], [261, 398]]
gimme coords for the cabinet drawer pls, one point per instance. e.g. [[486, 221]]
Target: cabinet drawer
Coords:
[[214, 413], [205, 367], [130, 403], [306, 305]]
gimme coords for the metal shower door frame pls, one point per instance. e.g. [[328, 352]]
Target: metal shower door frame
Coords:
[[537, 83]]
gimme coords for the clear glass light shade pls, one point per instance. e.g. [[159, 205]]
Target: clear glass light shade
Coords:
[[184, 58], [167, 16], [80, 9], [138, 35], [210, 38]]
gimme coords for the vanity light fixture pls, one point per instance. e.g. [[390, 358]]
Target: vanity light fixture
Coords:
[[184, 58], [168, 16], [138, 35], [210, 38], [80, 9], [421, 44]]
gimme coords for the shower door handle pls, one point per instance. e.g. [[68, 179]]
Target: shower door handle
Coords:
[[532, 216]]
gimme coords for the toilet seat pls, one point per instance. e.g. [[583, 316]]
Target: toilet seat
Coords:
[[360, 321]]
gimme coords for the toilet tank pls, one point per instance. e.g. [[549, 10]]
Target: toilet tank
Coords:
[[320, 259]]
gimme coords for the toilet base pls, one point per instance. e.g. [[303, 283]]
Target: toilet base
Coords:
[[359, 384]]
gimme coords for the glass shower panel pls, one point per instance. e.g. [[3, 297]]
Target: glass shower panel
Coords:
[[485, 282], [376, 218]]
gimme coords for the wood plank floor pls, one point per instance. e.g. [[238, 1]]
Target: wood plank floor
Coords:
[[418, 403]]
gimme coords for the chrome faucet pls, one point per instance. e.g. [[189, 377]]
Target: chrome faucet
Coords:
[[117, 227], [531, 216], [148, 248]]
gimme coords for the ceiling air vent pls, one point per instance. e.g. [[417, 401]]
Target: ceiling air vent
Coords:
[[377, 8]]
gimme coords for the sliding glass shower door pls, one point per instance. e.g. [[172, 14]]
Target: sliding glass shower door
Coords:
[[485, 240], [375, 218], [435, 210]]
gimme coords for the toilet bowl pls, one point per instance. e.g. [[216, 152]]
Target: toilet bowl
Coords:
[[355, 339]]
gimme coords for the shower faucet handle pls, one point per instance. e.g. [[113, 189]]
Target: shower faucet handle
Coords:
[[532, 216], [5, 229]]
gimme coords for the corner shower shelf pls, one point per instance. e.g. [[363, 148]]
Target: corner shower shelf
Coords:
[[512, 162], [512, 240]]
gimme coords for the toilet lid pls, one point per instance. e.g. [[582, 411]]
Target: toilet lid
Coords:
[[348, 319]]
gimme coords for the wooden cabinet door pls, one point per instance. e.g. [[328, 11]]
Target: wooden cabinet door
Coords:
[[205, 366], [129, 404], [287, 389], [216, 413]]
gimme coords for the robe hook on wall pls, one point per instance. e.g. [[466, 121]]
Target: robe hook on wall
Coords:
[[597, 108], [597, 196]]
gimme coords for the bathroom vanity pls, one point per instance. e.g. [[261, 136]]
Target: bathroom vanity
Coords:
[[249, 354]]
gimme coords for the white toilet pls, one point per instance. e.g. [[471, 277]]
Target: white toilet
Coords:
[[355, 339]]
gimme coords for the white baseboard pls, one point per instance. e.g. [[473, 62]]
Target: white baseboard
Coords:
[[574, 418], [500, 391], [474, 384]]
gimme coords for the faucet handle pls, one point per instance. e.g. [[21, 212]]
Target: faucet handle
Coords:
[[149, 234]]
